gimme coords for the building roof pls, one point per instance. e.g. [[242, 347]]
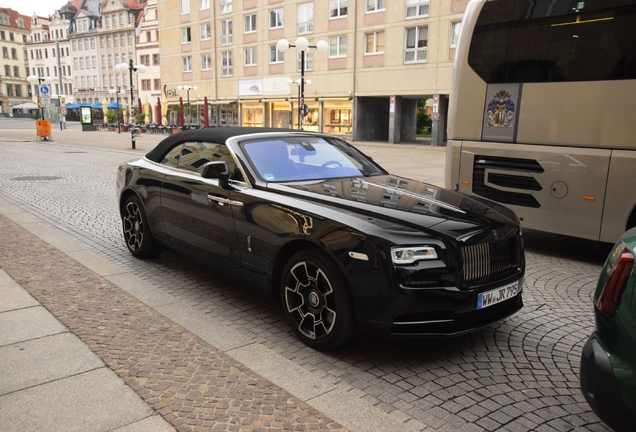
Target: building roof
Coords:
[[14, 16], [136, 4], [70, 7]]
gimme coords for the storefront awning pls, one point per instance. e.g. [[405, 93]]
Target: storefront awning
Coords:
[[221, 102], [329, 99]]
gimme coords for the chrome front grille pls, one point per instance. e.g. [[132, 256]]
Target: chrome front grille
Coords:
[[482, 262]]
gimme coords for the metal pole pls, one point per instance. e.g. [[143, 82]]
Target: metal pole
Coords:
[[298, 85], [132, 121], [119, 113], [59, 75], [189, 109], [301, 123]]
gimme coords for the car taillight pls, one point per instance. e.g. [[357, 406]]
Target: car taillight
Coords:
[[615, 284]]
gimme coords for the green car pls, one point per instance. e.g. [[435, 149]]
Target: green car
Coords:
[[608, 362]]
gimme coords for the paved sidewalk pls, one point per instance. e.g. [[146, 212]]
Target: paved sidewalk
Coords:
[[50, 380], [79, 373]]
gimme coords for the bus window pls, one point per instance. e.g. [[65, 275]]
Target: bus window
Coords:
[[516, 41]]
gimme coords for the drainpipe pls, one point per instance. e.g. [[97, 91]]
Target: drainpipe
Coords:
[[355, 58]]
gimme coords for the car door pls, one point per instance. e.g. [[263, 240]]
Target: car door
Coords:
[[196, 211]]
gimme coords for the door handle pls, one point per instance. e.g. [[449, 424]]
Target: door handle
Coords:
[[223, 201]]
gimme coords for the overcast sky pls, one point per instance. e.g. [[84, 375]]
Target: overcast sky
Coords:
[[40, 7]]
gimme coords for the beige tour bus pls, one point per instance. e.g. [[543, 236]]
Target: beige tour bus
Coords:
[[542, 113]]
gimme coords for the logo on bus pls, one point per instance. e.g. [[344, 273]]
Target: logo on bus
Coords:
[[501, 110]]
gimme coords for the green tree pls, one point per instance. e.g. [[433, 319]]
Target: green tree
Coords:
[[424, 122]]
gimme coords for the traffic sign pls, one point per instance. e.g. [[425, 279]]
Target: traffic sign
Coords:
[[46, 101], [45, 90]]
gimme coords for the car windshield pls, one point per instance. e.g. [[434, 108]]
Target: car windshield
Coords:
[[307, 158]]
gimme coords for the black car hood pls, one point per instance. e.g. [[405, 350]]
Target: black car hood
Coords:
[[408, 203]]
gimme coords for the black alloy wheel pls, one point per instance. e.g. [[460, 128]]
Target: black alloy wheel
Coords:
[[137, 233], [316, 301]]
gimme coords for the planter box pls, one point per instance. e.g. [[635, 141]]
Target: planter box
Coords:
[[176, 130], [124, 128], [112, 128]]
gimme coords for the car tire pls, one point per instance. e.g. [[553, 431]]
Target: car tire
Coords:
[[137, 234], [316, 301]]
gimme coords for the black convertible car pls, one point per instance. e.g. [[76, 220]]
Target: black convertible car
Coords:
[[347, 248]]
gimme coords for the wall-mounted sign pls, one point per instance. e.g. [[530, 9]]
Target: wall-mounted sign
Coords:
[[252, 87]]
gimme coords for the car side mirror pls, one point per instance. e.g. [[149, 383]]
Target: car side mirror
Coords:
[[217, 170]]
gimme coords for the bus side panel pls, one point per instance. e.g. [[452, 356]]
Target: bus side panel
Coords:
[[553, 189], [562, 113], [452, 168], [621, 195]]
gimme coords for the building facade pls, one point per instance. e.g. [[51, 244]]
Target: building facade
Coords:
[[50, 56], [14, 35], [149, 83], [383, 56]]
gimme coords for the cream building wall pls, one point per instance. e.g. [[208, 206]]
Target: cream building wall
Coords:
[[367, 80]]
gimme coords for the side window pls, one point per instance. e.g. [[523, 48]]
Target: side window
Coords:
[[172, 158], [196, 154]]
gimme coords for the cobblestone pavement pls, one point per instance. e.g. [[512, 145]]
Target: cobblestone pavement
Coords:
[[518, 375]]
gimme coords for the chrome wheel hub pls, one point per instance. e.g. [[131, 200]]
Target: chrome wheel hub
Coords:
[[310, 300]]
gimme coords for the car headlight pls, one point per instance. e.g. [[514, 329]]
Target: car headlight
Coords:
[[411, 254]]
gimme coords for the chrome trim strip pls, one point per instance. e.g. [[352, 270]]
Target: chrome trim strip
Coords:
[[423, 322]]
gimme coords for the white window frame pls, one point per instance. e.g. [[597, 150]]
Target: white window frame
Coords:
[[186, 35], [205, 31], [336, 8], [276, 16], [206, 62], [227, 67], [204, 4], [419, 54], [417, 8], [249, 23], [375, 42], [305, 18], [275, 56], [226, 6], [456, 27], [341, 48], [184, 6], [249, 56], [186, 64], [373, 6], [227, 32]]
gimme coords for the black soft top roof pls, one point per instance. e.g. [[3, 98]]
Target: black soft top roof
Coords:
[[217, 134]]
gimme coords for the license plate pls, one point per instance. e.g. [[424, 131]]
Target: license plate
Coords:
[[497, 295]]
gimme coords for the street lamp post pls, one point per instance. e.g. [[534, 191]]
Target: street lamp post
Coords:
[[131, 68], [302, 44], [187, 89], [117, 93], [297, 82], [33, 79]]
